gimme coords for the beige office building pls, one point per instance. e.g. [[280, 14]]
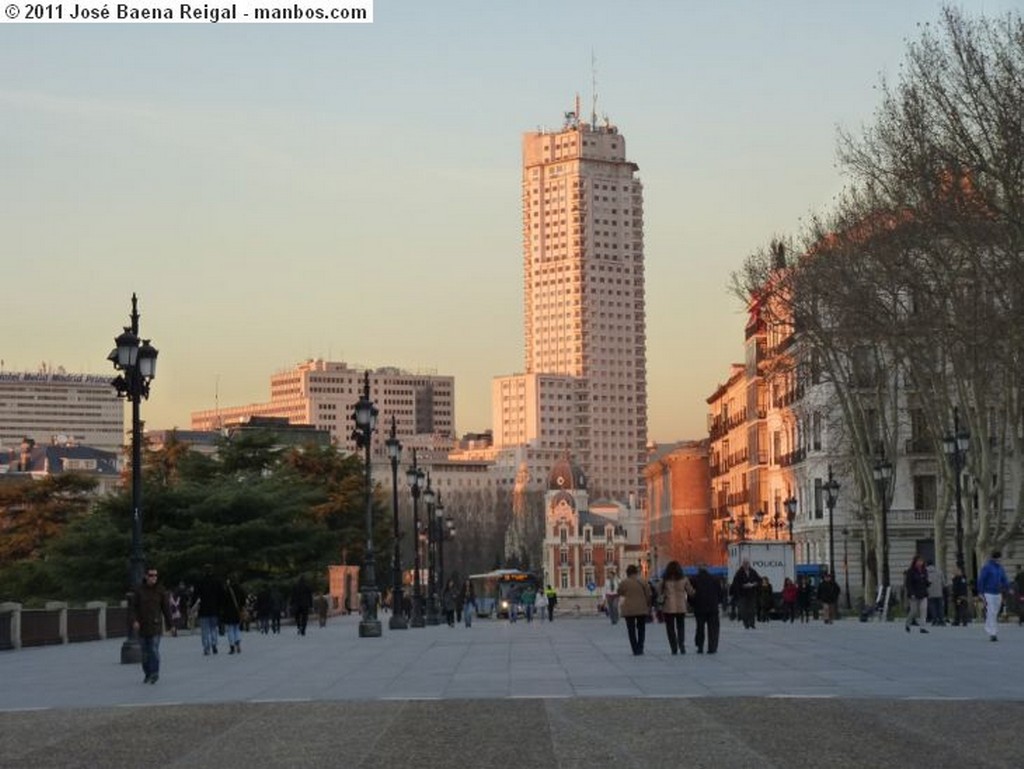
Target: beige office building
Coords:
[[323, 394], [583, 264]]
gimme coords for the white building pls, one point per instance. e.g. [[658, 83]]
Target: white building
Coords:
[[56, 407]]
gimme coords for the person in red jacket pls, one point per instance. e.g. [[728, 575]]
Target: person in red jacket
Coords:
[[789, 596]]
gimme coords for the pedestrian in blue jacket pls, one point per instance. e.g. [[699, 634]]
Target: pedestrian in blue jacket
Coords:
[[992, 581]]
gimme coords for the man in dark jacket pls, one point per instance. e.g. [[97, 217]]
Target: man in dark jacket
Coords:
[[706, 600], [828, 594], [210, 597], [302, 602], [151, 611], [745, 586]]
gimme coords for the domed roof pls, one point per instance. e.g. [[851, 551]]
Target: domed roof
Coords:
[[566, 475]]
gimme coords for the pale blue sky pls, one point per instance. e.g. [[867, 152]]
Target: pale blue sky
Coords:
[[274, 193]]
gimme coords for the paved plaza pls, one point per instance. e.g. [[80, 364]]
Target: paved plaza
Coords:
[[567, 693]]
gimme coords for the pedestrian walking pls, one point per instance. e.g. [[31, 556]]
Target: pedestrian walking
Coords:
[[936, 594], [790, 593], [746, 585], [707, 596], [448, 599], [959, 588], [992, 583], [542, 603], [916, 583], [152, 610], [765, 600], [529, 599], [209, 599], [468, 603], [320, 606], [302, 602], [552, 597], [828, 594], [231, 614], [635, 594], [805, 599], [675, 593], [611, 597]]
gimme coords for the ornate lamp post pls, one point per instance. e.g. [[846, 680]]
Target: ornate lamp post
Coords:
[[882, 473], [831, 496], [432, 616], [415, 476], [846, 567], [790, 504], [137, 363], [956, 444], [397, 621], [365, 417], [758, 520]]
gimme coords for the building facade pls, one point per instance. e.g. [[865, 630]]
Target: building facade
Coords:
[[56, 407], [678, 515], [323, 394], [584, 305]]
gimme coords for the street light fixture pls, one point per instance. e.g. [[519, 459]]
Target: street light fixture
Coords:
[[790, 504], [137, 363], [445, 530], [956, 444], [415, 476], [430, 498], [846, 567], [397, 621], [882, 473], [831, 496], [758, 519], [365, 417]]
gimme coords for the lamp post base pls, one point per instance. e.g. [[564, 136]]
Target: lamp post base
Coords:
[[433, 615], [417, 612], [397, 622], [131, 652], [370, 628]]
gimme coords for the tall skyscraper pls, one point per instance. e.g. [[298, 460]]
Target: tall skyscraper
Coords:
[[583, 265]]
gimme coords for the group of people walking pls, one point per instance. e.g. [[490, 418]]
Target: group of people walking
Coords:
[[222, 608], [637, 599]]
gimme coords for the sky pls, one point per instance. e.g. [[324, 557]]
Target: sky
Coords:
[[274, 193]]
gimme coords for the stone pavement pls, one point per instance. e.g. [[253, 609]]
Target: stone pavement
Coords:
[[571, 657], [567, 693]]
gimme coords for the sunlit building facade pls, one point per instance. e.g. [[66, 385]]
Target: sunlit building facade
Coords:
[[584, 302]]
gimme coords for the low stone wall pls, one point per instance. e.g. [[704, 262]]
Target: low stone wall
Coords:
[[57, 623]]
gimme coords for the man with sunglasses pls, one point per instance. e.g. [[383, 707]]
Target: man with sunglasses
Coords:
[[152, 611]]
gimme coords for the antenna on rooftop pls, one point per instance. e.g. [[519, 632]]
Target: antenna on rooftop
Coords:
[[593, 84]]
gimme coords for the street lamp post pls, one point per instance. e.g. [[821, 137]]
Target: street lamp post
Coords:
[[415, 477], [882, 473], [846, 567], [439, 538], [397, 621], [432, 616], [790, 504], [831, 496], [365, 417], [136, 360], [956, 444], [758, 520]]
